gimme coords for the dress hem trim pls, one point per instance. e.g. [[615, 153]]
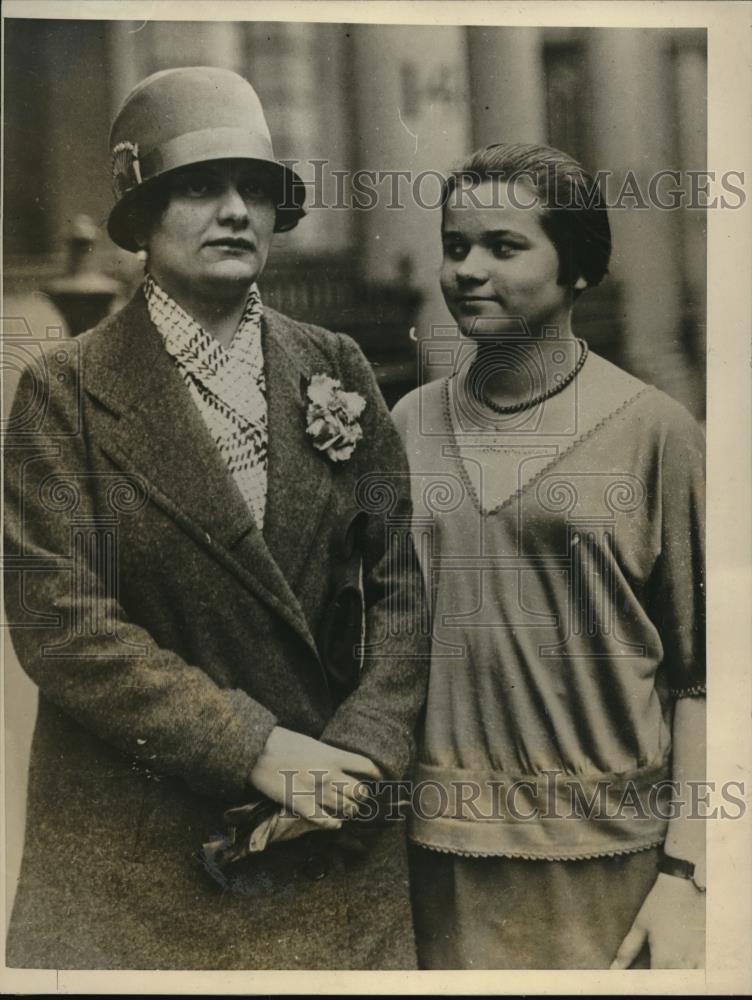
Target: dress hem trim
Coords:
[[589, 856]]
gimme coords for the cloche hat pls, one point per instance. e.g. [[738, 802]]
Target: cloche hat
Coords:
[[179, 117]]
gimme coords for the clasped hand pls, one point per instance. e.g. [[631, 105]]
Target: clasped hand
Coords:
[[320, 784]]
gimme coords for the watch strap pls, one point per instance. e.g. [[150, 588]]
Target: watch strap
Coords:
[[679, 867]]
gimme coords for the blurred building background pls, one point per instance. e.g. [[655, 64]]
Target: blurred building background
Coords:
[[371, 97], [388, 98]]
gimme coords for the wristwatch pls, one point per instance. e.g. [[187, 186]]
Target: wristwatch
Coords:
[[669, 865]]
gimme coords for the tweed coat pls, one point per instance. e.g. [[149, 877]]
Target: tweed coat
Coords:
[[168, 636]]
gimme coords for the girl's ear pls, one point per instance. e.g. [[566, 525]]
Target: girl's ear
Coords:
[[580, 284]]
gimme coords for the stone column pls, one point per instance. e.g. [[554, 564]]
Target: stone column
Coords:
[[140, 48], [413, 116], [507, 85], [632, 130], [692, 123]]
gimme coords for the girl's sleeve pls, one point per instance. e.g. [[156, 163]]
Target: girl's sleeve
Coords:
[[678, 580]]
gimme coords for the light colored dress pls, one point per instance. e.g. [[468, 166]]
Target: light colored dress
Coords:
[[563, 547]]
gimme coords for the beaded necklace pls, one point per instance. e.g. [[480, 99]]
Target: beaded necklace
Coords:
[[560, 383]]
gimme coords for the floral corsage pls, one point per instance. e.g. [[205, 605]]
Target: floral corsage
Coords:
[[332, 416]]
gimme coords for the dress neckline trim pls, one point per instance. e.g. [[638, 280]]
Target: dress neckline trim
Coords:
[[467, 481]]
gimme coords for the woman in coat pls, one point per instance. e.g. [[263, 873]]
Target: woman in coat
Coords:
[[185, 548]]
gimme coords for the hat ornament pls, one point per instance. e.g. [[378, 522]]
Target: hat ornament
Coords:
[[126, 169]]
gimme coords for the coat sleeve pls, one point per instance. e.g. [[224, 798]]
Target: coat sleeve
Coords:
[[74, 639], [379, 718]]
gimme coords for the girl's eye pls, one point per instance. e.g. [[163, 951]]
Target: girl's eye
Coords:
[[455, 251], [504, 250]]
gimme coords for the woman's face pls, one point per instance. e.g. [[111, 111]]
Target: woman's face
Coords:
[[499, 265], [214, 236]]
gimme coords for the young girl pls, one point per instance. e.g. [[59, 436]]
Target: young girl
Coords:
[[563, 499]]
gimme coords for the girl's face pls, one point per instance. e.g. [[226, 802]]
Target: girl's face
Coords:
[[499, 266]]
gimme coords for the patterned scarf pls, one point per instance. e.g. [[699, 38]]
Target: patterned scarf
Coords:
[[227, 385]]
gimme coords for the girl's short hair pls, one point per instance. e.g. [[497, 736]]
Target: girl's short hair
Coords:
[[574, 210]]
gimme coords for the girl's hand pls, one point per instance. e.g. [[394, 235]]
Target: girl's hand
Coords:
[[672, 922]]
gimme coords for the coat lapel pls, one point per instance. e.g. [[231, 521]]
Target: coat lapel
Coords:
[[161, 436], [299, 476]]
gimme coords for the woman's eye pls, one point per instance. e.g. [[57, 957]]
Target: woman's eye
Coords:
[[196, 185], [254, 189]]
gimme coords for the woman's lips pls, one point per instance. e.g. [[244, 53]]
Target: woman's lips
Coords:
[[476, 299], [235, 245]]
